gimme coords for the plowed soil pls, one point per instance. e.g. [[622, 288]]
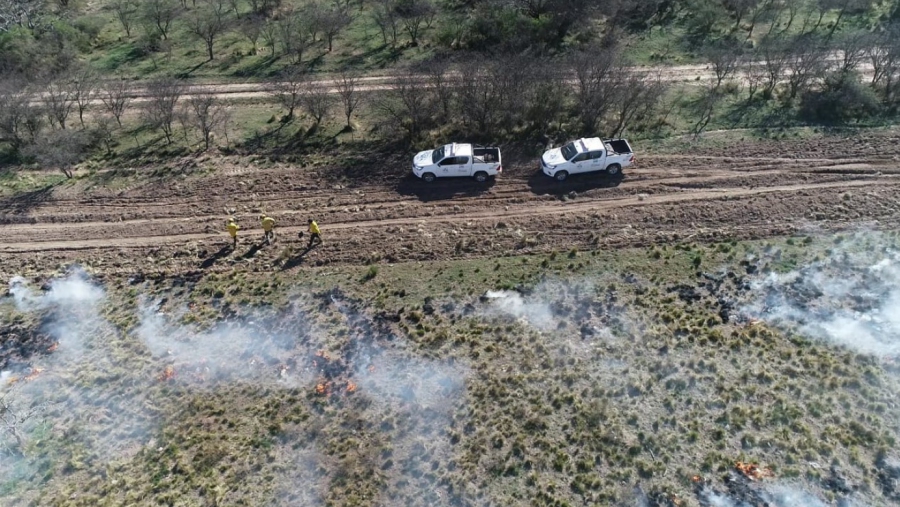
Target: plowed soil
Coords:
[[749, 189]]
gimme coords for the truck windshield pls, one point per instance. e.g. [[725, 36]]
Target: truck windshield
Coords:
[[569, 151], [437, 155]]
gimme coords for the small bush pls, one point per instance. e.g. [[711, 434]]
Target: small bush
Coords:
[[841, 99], [371, 273]]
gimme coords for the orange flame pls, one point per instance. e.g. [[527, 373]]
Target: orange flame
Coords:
[[696, 478], [52, 348], [33, 375], [167, 374], [753, 471], [322, 388], [351, 387]]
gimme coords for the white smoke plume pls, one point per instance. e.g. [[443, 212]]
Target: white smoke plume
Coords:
[[533, 312], [74, 291], [424, 384], [783, 495], [253, 347], [72, 307], [66, 385], [714, 499], [847, 300], [547, 307], [774, 494]]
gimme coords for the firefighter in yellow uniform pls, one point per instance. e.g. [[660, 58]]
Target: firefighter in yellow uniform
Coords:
[[233, 228], [315, 235], [268, 225]]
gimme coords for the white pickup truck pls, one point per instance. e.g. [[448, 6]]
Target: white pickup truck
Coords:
[[457, 160], [587, 155]]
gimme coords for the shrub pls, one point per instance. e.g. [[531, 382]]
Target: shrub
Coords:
[[841, 99], [371, 273]]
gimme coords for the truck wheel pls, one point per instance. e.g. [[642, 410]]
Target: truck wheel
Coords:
[[613, 169], [428, 177], [481, 176], [561, 176]]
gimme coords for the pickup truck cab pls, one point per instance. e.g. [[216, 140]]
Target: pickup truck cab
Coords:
[[587, 155], [457, 159]]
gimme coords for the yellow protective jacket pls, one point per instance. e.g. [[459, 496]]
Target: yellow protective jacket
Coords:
[[314, 228], [268, 223], [233, 228]]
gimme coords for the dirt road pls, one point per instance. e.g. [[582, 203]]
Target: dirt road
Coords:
[[260, 90], [749, 190]]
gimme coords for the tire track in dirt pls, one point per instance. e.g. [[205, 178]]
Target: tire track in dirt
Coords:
[[95, 213], [538, 210]]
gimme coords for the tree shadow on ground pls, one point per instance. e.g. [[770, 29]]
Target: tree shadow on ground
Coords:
[[187, 73], [296, 260], [216, 257], [442, 189], [260, 68], [541, 184], [23, 203], [378, 57], [759, 113]]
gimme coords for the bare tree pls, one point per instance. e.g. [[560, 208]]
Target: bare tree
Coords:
[[207, 115], [738, 9], [843, 7], [806, 63], [269, 32], [160, 14], [439, 78], [332, 23], [407, 106], [413, 14], [160, 108], [546, 97], [317, 102], [295, 33], [755, 74], [884, 54], [114, 95], [125, 12], [59, 101], [478, 91], [704, 107], [762, 8], [20, 118], [347, 85], [105, 127], [457, 26], [792, 8], [724, 61], [638, 97], [84, 89], [775, 59], [251, 27], [288, 90], [384, 13], [263, 7], [594, 85], [208, 22], [853, 48], [59, 149]]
